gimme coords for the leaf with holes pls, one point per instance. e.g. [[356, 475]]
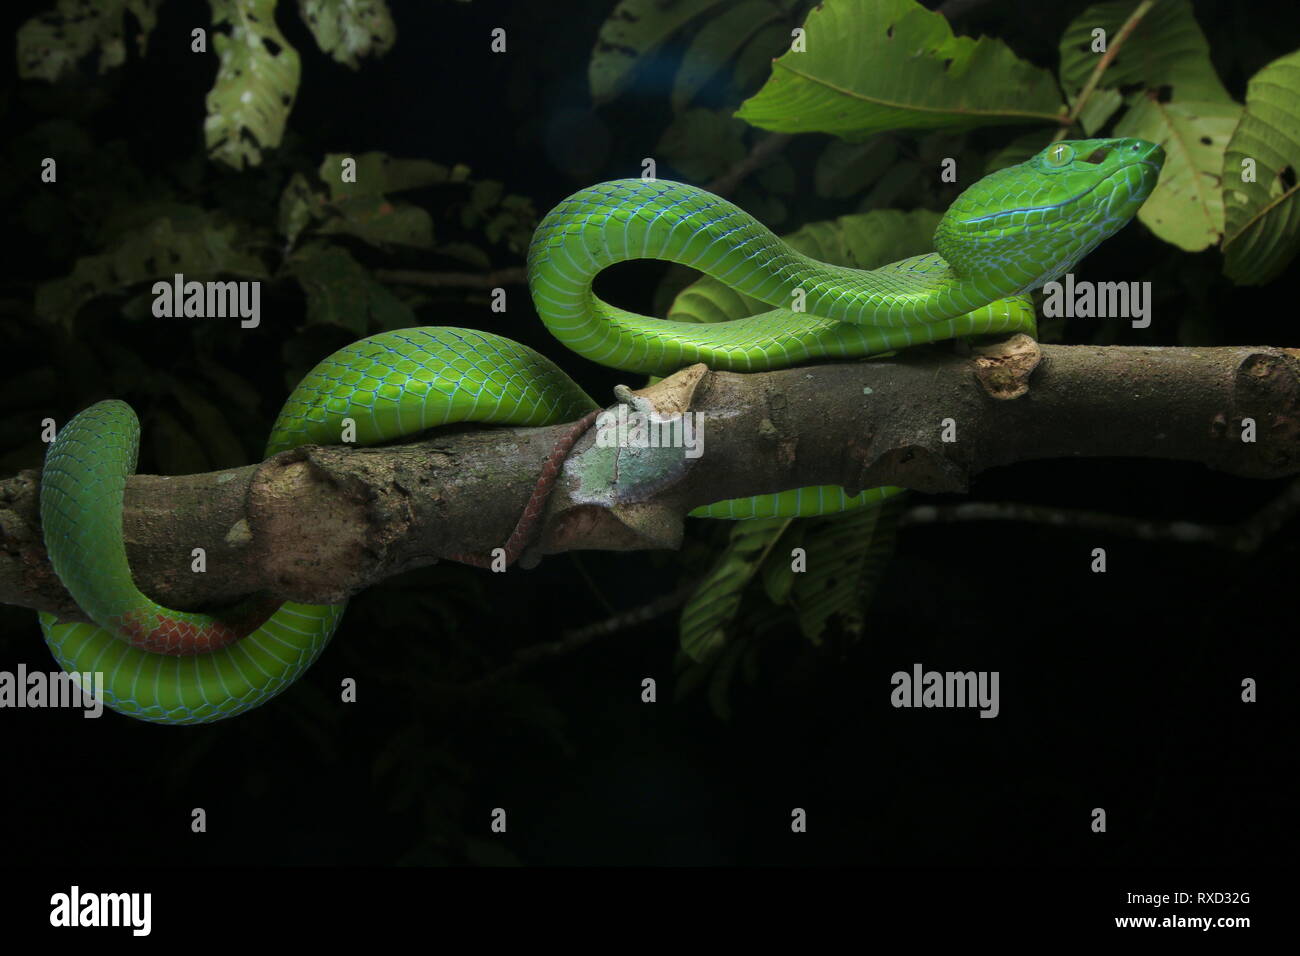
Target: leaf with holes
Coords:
[[876, 65], [256, 83], [50, 44], [350, 29], [713, 606], [1263, 217], [1186, 207]]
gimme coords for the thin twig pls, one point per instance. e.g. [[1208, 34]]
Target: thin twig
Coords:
[[581, 636], [1112, 49], [1245, 536], [763, 150]]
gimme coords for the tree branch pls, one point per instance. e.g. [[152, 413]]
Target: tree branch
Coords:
[[319, 523]]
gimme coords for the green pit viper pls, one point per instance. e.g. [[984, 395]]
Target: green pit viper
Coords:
[[1007, 234]]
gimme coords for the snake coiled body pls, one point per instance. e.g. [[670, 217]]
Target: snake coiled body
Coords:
[[1007, 234]]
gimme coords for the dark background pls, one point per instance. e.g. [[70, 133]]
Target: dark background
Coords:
[[1118, 690]]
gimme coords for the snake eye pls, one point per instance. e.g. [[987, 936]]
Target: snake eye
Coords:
[[1060, 155]]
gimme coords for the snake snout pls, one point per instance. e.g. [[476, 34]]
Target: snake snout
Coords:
[[1149, 157], [1151, 153]]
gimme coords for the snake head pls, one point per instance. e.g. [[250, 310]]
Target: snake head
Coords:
[[1031, 223]]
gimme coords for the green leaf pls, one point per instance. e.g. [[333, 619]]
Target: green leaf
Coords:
[[359, 205], [900, 180], [1016, 151], [502, 217], [701, 143], [127, 372], [49, 45], [340, 292], [847, 554], [777, 176], [1165, 49], [707, 300], [778, 575], [754, 65], [635, 29], [121, 221], [299, 205], [232, 386], [256, 83], [717, 42], [175, 449], [1186, 207], [763, 206], [740, 653], [845, 169], [485, 194], [1101, 106], [874, 65], [350, 29], [199, 244], [381, 222], [870, 239], [220, 443], [720, 678], [710, 610], [1263, 217], [378, 174]]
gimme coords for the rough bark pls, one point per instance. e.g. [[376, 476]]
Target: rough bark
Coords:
[[318, 524]]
